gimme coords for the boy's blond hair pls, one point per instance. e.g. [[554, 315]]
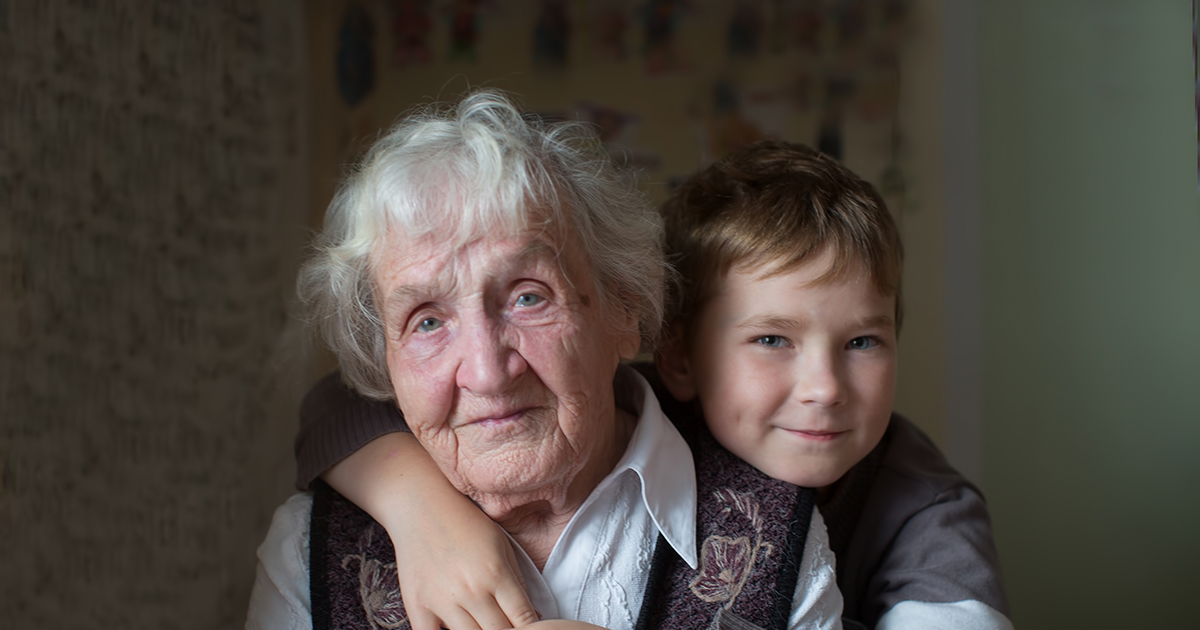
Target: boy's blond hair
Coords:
[[779, 204]]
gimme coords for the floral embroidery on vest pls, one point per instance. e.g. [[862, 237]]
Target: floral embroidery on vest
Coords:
[[378, 587], [726, 562]]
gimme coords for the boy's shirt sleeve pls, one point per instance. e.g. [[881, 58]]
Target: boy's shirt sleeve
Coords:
[[334, 422], [921, 552], [941, 571]]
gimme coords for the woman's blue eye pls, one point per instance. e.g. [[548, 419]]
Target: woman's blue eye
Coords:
[[529, 299], [772, 341], [862, 343], [429, 324]]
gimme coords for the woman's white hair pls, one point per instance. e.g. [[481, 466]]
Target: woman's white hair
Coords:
[[461, 172]]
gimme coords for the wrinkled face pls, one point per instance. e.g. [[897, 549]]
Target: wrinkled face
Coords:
[[502, 360], [796, 378]]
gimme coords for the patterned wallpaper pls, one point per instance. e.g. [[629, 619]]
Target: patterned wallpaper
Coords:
[[151, 216]]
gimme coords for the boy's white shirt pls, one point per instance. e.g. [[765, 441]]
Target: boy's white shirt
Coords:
[[598, 569]]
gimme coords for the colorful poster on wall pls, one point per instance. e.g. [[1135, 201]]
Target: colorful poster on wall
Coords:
[[411, 24], [465, 25], [744, 115], [744, 34], [660, 26], [618, 132], [608, 26], [699, 78]]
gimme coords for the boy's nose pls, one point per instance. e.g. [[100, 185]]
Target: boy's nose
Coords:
[[820, 381], [488, 362]]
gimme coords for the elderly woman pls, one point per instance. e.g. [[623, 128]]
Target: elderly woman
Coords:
[[491, 272]]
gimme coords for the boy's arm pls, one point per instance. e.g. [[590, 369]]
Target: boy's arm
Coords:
[[942, 569], [921, 553], [335, 422], [456, 568]]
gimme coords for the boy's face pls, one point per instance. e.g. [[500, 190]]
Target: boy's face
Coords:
[[795, 378]]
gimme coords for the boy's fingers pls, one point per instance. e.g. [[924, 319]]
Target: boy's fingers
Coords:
[[489, 616], [513, 598], [517, 607], [514, 567], [459, 619], [422, 619]]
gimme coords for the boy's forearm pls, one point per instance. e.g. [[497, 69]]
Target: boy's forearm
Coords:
[[388, 473]]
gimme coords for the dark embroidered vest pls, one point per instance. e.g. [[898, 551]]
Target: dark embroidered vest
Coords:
[[751, 531]]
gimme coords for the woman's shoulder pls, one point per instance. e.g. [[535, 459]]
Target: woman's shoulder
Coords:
[[288, 538]]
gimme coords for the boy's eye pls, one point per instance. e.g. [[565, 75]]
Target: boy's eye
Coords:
[[772, 341], [862, 343], [429, 324], [529, 299]]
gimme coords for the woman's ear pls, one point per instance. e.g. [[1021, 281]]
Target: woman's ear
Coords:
[[629, 344], [674, 366], [628, 334]]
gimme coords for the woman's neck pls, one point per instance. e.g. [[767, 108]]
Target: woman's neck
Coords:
[[538, 521]]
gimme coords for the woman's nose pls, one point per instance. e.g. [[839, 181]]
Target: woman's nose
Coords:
[[489, 362]]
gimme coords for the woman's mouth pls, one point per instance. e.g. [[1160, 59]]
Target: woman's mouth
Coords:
[[499, 418]]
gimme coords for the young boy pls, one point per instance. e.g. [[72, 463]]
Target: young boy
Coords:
[[782, 338]]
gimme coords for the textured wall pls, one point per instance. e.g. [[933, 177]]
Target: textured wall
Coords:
[[150, 223]]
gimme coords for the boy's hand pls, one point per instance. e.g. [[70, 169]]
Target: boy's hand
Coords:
[[456, 567], [462, 577]]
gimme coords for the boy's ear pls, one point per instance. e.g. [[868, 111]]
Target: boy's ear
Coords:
[[674, 366]]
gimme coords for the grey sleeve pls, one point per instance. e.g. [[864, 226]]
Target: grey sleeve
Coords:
[[942, 553], [334, 422], [917, 533]]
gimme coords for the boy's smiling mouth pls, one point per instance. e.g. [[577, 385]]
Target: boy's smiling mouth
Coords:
[[818, 436]]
